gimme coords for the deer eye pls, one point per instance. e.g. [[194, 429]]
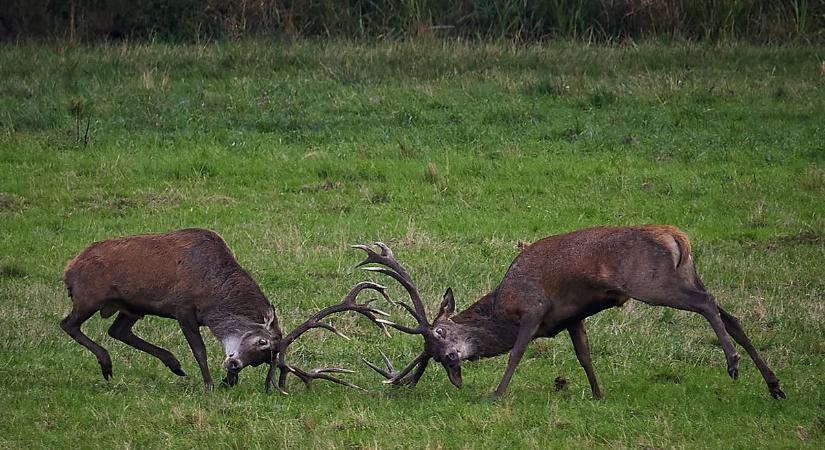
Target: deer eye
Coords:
[[263, 342], [440, 332]]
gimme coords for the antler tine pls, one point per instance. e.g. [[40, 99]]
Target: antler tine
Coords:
[[353, 293], [349, 303], [394, 269], [385, 373], [385, 250], [270, 373], [398, 378], [322, 373], [404, 329], [419, 371]]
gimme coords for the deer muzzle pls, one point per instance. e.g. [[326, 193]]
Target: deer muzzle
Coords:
[[453, 373], [233, 364]]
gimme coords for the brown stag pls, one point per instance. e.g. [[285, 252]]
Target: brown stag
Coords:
[[191, 276], [553, 285]]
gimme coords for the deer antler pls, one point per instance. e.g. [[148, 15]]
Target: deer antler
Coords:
[[399, 378], [347, 304], [395, 270]]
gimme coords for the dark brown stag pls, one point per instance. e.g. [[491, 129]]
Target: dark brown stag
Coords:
[[191, 276], [553, 285]]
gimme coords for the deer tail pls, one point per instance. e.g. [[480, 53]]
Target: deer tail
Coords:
[[684, 247]]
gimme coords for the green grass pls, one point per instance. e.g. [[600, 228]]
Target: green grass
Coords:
[[452, 154]]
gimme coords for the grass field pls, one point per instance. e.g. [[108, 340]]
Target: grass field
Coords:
[[452, 153]]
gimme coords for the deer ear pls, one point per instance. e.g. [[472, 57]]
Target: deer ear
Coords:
[[270, 319], [447, 305]]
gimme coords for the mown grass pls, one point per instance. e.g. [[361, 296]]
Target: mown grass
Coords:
[[453, 154]]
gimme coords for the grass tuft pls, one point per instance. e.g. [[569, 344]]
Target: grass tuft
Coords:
[[431, 174]]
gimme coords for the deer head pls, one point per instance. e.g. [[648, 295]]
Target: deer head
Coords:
[[255, 346]]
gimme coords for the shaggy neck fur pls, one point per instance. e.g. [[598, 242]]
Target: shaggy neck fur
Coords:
[[244, 307], [488, 335]]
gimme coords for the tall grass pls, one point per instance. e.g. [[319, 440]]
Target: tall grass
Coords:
[[606, 20]]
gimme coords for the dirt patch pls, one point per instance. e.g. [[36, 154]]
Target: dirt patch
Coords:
[[11, 202], [12, 270], [667, 378], [805, 237]]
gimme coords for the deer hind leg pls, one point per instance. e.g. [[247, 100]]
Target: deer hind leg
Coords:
[[735, 329], [710, 311], [71, 325], [121, 330], [579, 337], [701, 302]]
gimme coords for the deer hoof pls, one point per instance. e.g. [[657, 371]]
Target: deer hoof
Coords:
[[559, 384], [106, 369], [776, 393], [733, 372], [174, 366], [499, 393]]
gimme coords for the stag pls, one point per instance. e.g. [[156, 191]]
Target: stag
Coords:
[[191, 276], [553, 285]]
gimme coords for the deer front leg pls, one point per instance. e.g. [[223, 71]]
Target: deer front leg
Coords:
[[579, 337], [193, 337], [525, 335]]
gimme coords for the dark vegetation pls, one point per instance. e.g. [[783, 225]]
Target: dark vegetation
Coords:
[[601, 20]]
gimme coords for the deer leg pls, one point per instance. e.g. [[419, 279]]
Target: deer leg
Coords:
[[121, 330], [193, 337], [71, 325], [701, 302], [525, 335], [738, 334], [711, 313], [579, 337]]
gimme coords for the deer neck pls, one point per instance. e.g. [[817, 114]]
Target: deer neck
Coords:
[[239, 307], [488, 334], [230, 327]]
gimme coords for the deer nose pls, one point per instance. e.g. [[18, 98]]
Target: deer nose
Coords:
[[452, 357], [232, 364]]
